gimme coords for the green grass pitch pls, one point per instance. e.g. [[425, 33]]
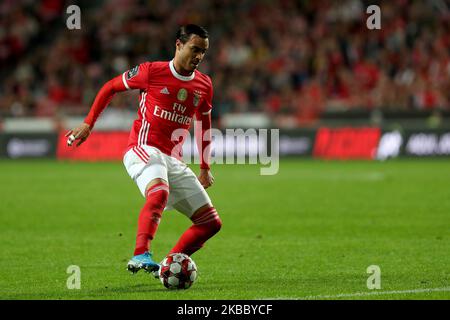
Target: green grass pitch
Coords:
[[309, 232]]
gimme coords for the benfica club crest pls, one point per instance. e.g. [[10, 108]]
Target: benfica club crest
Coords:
[[197, 97]]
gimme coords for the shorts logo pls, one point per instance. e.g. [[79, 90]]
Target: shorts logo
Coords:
[[132, 72], [182, 94]]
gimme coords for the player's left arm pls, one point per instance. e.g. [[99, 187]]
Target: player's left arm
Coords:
[[203, 138]]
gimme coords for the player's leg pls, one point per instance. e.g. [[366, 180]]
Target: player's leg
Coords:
[[205, 224], [157, 193], [151, 178], [190, 198]]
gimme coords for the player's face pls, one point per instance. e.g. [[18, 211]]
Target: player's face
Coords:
[[191, 53]]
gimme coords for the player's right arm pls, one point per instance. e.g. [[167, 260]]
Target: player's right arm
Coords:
[[135, 78]]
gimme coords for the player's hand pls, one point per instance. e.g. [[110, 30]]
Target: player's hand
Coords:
[[206, 178], [80, 133]]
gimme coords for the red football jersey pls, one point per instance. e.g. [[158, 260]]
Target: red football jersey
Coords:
[[168, 101]]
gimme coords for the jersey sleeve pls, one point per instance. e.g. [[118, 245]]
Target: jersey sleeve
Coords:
[[137, 77], [103, 98], [206, 106], [203, 132]]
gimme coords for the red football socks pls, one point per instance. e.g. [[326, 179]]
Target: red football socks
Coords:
[[206, 224], [150, 216]]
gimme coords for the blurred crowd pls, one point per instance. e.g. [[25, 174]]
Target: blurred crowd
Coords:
[[293, 60]]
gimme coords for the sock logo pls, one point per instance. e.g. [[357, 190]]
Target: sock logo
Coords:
[[156, 219]]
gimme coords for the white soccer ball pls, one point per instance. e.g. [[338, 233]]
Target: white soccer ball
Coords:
[[178, 271]]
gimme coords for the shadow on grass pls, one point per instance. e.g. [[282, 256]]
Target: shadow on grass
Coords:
[[143, 288], [128, 292]]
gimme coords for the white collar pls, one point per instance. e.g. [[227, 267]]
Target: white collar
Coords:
[[179, 76]]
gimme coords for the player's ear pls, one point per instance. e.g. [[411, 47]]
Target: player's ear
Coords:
[[178, 44]]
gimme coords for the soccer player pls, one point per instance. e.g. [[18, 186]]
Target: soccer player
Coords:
[[171, 94]]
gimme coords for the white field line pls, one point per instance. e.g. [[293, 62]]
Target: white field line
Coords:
[[362, 294]]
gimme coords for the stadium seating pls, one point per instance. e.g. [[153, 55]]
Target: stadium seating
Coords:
[[293, 61]]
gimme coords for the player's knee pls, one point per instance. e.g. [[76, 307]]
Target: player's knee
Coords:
[[216, 225], [155, 183], [157, 196], [210, 217]]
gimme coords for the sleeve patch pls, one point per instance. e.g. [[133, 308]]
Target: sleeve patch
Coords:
[[132, 72]]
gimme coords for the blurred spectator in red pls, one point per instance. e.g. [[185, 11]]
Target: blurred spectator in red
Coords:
[[291, 58]]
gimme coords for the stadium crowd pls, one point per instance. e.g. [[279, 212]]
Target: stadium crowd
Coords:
[[294, 59]]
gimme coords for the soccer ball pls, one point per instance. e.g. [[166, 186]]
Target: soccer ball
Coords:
[[178, 271]]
